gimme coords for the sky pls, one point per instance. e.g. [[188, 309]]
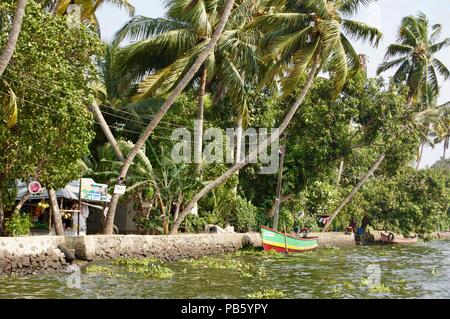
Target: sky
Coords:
[[384, 14]]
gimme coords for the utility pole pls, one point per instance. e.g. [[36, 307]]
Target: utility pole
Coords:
[[282, 153]]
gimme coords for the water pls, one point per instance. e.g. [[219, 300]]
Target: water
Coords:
[[419, 271]]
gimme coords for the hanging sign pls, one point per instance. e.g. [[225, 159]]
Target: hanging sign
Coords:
[[120, 189], [34, 187], [94, 192]]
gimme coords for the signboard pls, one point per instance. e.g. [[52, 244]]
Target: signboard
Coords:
[[34, 187], [94, 192], [120, 189]]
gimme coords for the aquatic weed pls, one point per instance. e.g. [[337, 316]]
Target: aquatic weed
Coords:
[[99, 269], [379, 289], [267, 294], [152, 271], [348, 286]]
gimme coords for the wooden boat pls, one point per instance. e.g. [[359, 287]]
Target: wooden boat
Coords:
[[392, 239], [284, 243]]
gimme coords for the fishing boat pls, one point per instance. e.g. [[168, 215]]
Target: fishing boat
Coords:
[[284, 243], [392, 239]]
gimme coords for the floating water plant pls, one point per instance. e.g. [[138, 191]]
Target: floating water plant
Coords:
[[379, 289], [99, 269], [267, 294], [151, 271]]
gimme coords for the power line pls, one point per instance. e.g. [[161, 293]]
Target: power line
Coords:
[[117, 128], [141, 122], [148, 117]]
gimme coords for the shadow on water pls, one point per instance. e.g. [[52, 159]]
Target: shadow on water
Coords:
[[419, 271]]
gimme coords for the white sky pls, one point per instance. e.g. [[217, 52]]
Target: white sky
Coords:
[[385, 14]]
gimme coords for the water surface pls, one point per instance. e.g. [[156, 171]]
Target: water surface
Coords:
[[419, 271]]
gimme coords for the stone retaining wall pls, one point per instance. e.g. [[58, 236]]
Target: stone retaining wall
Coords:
[[27, 255], [332, 239], [168, 248]]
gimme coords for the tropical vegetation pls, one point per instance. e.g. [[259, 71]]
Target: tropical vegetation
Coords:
[[72, 105]]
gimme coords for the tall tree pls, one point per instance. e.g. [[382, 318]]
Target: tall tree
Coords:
[[205, 53], [8, 51], [306, 35], [414, 56], [167, 47]]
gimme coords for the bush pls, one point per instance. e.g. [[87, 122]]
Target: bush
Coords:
[[286, 219], [243, 216], [18, 225], [235, 210]]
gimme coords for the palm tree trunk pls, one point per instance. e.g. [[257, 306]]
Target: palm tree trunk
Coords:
[[108, 134], [419, 159], [165, 107], [237, 158], [355, 190], [446, 145], [198, 143], [59, 229], [8, 51], [177, 207], [340, 171], [228, 174]]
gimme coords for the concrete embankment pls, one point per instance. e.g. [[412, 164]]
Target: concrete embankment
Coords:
[[26, 255], [333, 239]]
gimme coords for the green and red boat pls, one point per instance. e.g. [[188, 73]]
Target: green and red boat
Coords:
[[284, 243]]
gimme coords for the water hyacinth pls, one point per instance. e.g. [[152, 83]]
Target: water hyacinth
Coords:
[[267, 294]]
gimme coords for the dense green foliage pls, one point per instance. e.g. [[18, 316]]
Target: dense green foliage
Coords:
[[50, 74], [255, 75], [18, 225]]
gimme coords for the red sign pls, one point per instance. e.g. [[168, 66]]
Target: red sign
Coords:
[[34, 187]]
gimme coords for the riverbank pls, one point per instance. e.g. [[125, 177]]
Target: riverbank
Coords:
[[27, 255]]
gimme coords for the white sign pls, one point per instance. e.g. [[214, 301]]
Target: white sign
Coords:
[[120, 189]]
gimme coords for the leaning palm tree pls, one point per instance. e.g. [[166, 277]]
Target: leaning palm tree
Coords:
[[414, 56], [182, 84], [428, 122], [165, 49], [7, 52], [442, 128], [306, 37]]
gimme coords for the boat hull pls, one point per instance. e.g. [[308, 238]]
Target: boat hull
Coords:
[[397, 241], [274, 240]]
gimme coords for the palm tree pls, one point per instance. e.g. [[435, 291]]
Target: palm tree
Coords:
[[414, 57], [186, 79], [429, 123], [8, 51], [167, 47], [413, 54], [442, 128], [306, 35]]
